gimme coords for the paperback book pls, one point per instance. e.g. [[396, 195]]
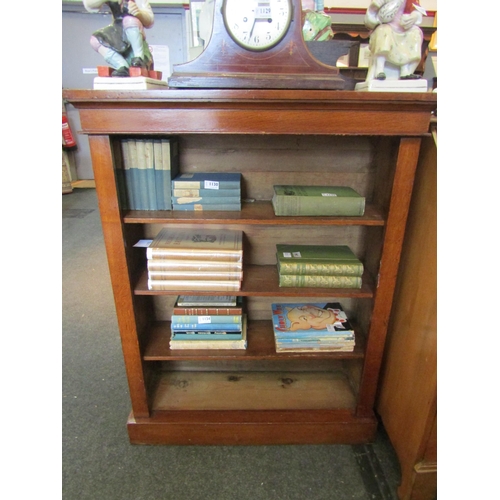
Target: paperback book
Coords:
[[312, 327], [317, 200], [323, 260]]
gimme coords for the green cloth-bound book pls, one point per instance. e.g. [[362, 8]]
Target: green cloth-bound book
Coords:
[[317, 200], [291, 280], [318, 260]]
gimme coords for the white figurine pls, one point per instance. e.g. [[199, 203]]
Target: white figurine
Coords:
[[122, 44], [396, 40]]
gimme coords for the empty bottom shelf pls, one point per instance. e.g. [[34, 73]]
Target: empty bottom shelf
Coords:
[[184, 390]]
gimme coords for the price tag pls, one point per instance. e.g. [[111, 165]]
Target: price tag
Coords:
[[204, 319], [211, 185]]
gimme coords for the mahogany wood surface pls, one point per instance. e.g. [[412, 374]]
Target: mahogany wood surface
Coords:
[[378, 236]]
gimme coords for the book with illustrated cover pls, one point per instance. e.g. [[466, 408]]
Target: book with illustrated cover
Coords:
[[317, 200], [312, 327], [207, 180], [197, 244], [326, 260], [314, 281]]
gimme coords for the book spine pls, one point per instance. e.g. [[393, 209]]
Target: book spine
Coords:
[[150, 175], [318, 268], [207, 311], [169, 168], [206, 193], [212, 345], [185, 184], [229, 207], [311, 205], [206, 319], [141, 174], [302, 281], [193, 265], [207, 327], [195, 275], [128, 174], [220, 200], [170, 253], [158, 170], [186, 285]]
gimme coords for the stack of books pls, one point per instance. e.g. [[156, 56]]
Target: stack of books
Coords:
[[196, 259], [200, 322], [149, 165], [317, 200], [315, 327], [327, 266], [207, 191]]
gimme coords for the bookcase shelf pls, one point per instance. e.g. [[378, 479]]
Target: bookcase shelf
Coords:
[[368, 141]]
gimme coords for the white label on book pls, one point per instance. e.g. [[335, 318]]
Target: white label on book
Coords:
[[211, 185], [143, 243], [328, 194], [288, 255], [204, 319], [297, 255]]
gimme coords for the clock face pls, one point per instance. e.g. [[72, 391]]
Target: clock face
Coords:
[[257, 24]]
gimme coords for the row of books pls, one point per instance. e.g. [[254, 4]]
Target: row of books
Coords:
[[202, 191], [149, 165], [208, 322], [326, 266], [195, 259], [220, 322], [317, 201]]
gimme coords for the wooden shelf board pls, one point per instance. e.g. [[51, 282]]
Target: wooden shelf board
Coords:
[[262, 281], [255, 213], [260, 347]]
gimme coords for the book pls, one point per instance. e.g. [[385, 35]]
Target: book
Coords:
[[219, 200], [210, 309], [197, 243], [207, 180], [325, 260], [312, 327], [166, 153], [205, 327], [195, 275], [314, 281], [198, 207], [208, 300], [205, 193], [208, 285], [317, 200], [130, 83], [206, 319], [201, 266], [130, 172], [210, 343], [202, 335], [141, 177]]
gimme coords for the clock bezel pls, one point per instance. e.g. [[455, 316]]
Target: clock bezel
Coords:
[[253, 48]]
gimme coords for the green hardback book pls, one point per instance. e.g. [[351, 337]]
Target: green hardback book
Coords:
[[317, 200], [319, 260], [303, 281]]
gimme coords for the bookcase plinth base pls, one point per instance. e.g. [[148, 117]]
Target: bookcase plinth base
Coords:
[[251, 428]]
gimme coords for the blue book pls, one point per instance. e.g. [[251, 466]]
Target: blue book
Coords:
[[149, 162], [220, 200], [206, 327], [207, 319], [200, 336], [231, 207], [166, 165], [139, 168], [207, 180], [206, 193]]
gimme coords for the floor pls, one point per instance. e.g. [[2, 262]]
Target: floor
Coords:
[[97, 460]]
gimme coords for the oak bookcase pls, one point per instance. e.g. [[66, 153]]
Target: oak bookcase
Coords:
[[369, 141]]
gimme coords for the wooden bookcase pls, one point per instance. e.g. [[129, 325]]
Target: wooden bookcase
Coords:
[[369, 141]]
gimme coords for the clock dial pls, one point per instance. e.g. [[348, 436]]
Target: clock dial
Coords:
[[257, 24]]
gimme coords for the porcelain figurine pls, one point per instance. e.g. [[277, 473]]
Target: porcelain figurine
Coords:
[[396, 40], [123, 44]]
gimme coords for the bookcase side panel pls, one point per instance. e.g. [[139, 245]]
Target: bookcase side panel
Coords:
[[107, 194]]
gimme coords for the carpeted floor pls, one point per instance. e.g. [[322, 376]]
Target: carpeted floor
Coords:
[[98, 463]]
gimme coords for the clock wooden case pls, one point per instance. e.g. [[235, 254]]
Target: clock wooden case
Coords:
[[242, 53]]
